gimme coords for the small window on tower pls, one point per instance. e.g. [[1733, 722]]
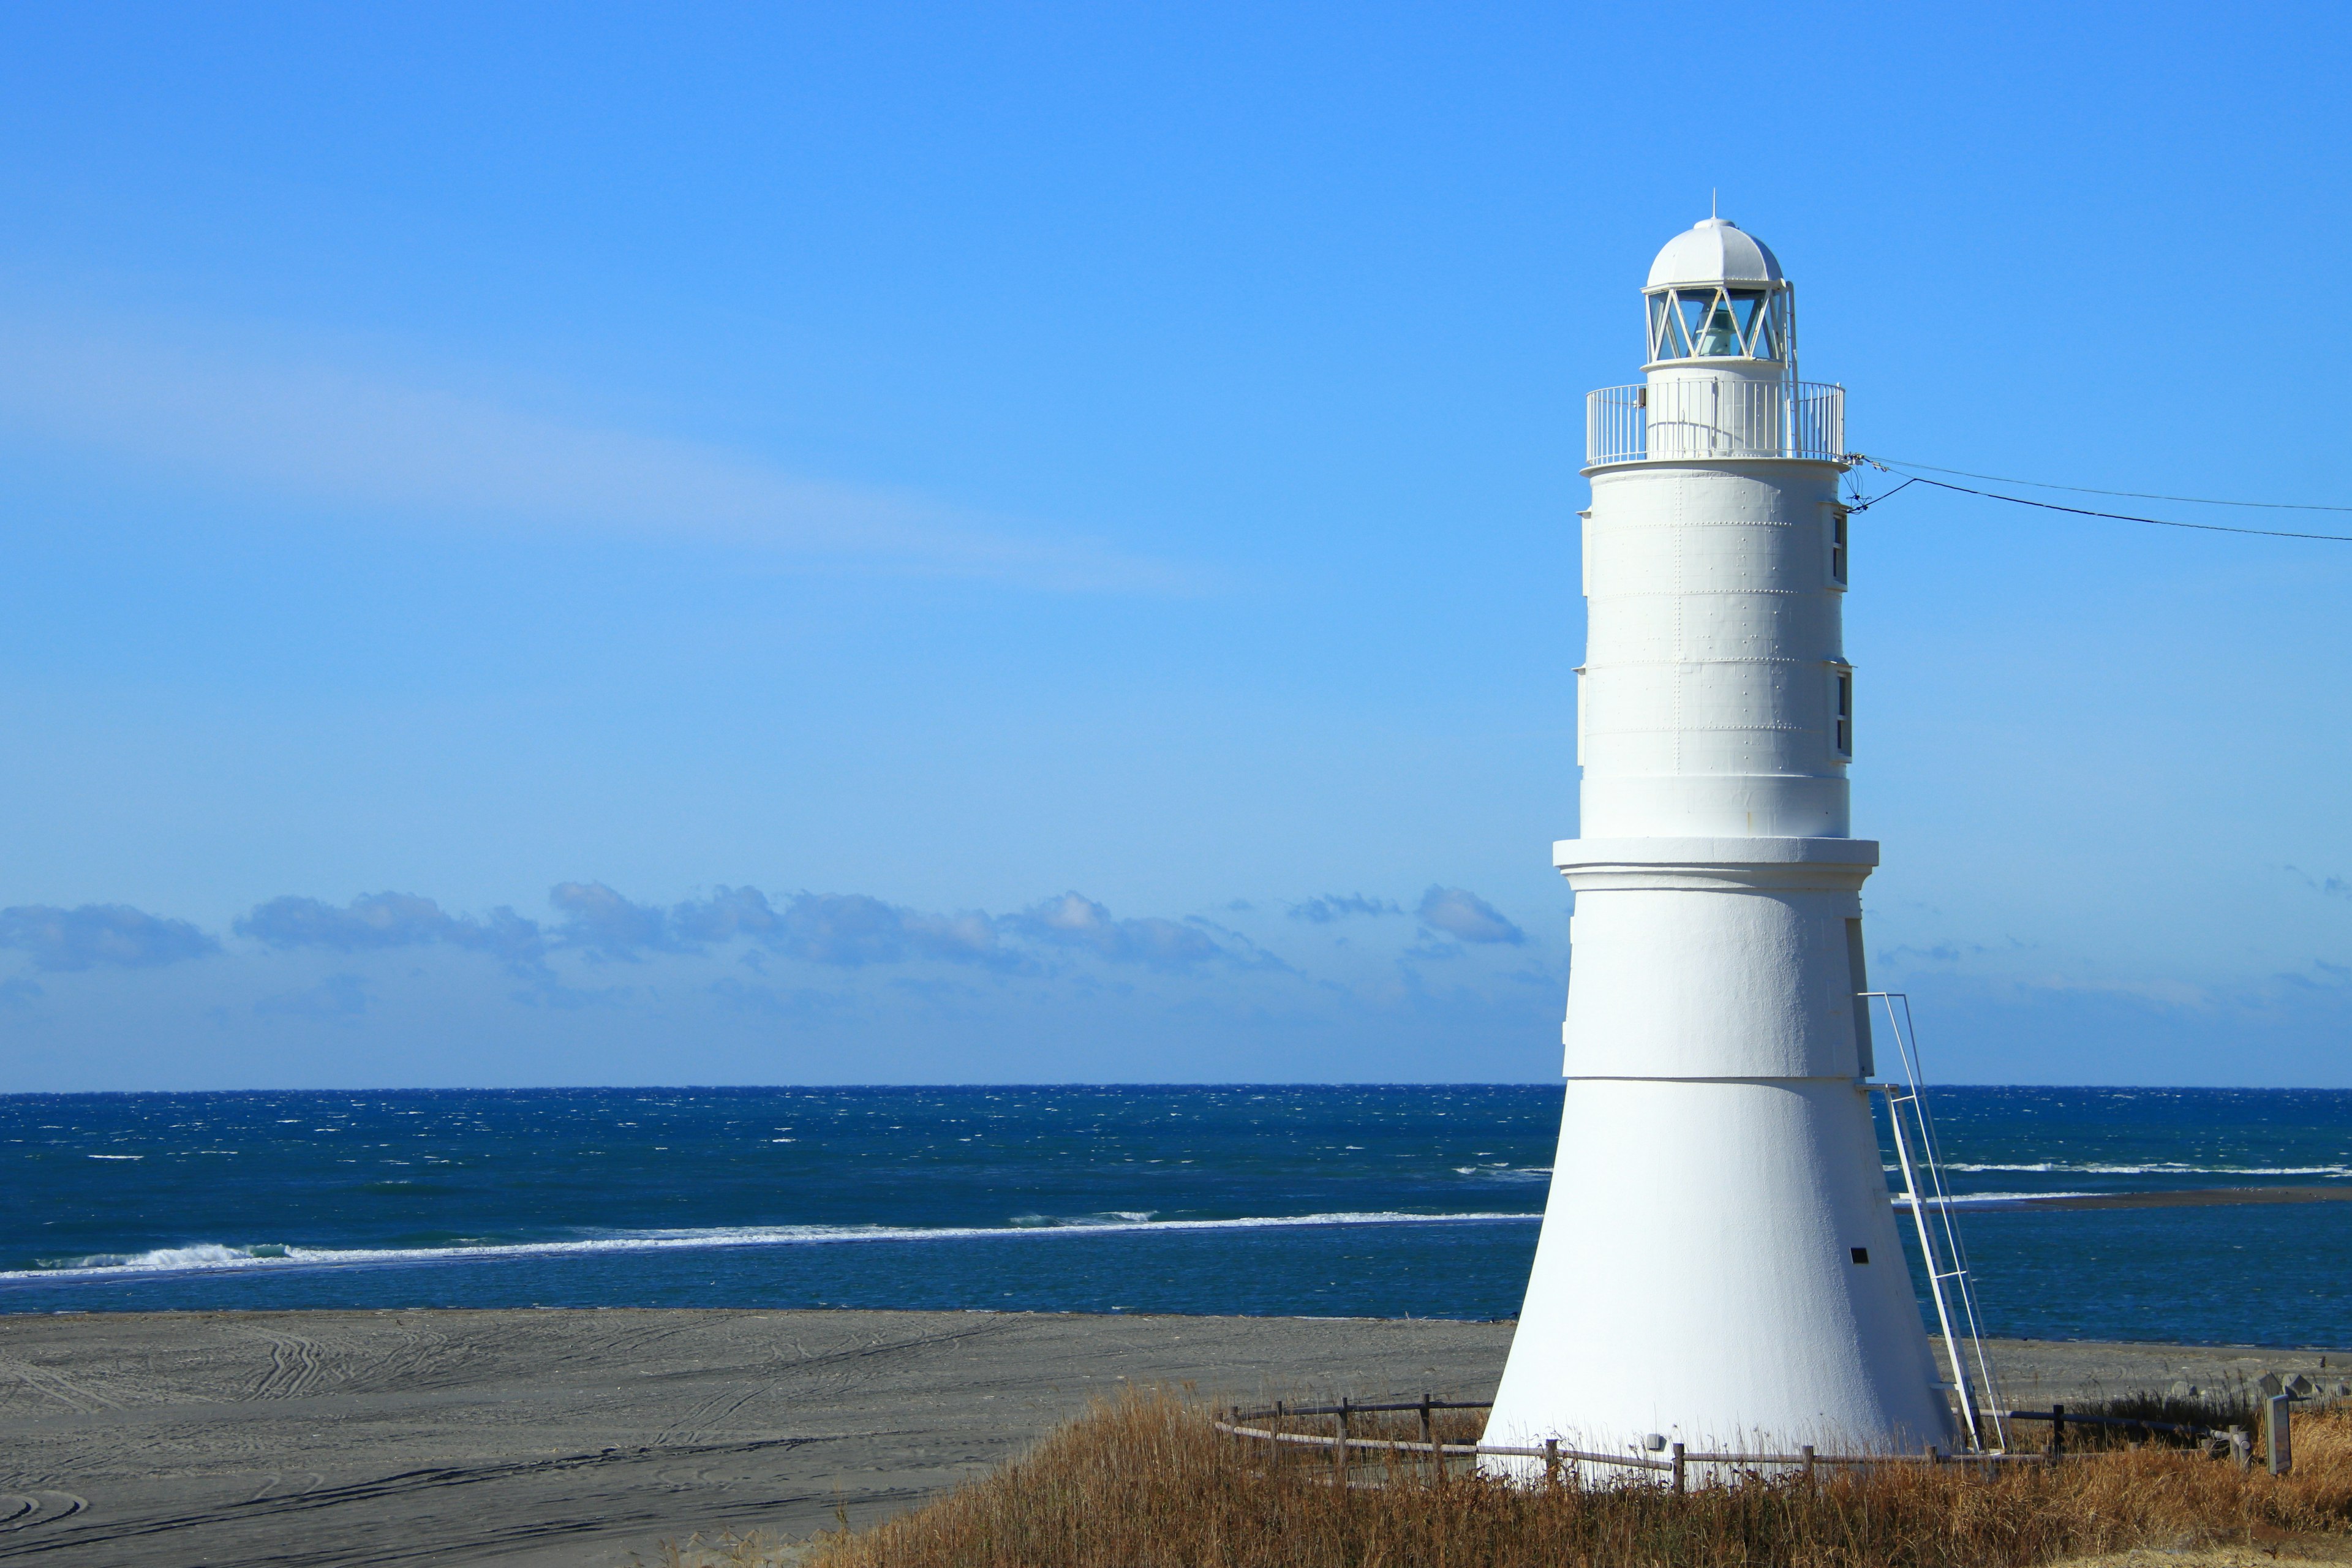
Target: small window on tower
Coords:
[[1844, 698], [1580, 705], [1837, 545]]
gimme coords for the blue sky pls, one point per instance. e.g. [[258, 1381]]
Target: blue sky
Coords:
[[884, 543]]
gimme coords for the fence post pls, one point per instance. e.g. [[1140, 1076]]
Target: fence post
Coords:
[[1933, 1456], [2057, 1430], [1340, 1450], [1808, 1452], [1551, 1463], [2276, 1435], [1678, 1466], [1429, 1436]]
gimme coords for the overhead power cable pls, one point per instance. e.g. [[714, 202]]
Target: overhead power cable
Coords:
[[2128, 495], [1911, 478]]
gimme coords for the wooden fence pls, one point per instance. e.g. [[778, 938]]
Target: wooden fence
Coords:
[[1676, 1461]]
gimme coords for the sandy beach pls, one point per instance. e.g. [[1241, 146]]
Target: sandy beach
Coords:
[[579, 1437]]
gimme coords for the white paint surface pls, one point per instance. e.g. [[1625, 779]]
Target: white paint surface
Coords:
[[1697, 1275]]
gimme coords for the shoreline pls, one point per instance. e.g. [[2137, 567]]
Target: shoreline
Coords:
[[539, 1437], [221, 1260], [2337, 1356]]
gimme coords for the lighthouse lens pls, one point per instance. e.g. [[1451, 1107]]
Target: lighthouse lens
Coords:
[[1720, 323], [1721, 334], [1698, 312], [1717, 322]]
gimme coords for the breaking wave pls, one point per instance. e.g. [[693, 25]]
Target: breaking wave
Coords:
[[206, 1257], [1962, 1200]]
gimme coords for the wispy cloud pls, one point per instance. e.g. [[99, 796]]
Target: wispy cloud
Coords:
[[94, 934], [1464, 914], [841, 930], [2334, 887], [299, 425], [1074, 921], [376, 920], [1951, 951], [606, 925], [851, 929], [1333, 906], [1069, 940], [738, 982], [848, 931]]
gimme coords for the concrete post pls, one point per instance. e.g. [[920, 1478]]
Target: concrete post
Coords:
[[2276, 1435]]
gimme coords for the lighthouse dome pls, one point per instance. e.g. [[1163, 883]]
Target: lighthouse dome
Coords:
[[1714, 251]]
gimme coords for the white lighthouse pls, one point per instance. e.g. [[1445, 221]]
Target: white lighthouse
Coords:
[[1719, 1264]]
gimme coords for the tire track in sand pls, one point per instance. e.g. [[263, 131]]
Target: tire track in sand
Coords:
[[20, 1511], [81, 1400], [296, 1366], [387, 1488]]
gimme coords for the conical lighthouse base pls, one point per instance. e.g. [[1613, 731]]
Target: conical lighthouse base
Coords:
[[1719, 1266]]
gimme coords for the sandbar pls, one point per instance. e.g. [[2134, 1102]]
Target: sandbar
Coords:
[[2190, 1198]]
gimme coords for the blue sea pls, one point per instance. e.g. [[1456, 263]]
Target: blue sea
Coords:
[[1333, 1201]]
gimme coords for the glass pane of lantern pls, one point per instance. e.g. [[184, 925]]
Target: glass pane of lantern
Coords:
[[1718, 335], [1745, 305], [1671, 341], [1694, 309]]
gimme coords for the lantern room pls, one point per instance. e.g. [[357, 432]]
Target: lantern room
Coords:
[[1715, 293]]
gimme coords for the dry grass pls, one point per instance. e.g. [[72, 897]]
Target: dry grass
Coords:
[[1146, 1483]]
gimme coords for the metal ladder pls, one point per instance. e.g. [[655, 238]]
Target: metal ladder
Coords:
[[1939, 1241]]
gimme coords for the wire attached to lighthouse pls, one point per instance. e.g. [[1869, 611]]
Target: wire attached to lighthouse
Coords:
[[1864, 504], [2094, 490]]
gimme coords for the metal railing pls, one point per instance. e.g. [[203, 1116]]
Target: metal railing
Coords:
[[1711, 417]]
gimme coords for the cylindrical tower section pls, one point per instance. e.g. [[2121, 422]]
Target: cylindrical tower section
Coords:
[[1709, 701]]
